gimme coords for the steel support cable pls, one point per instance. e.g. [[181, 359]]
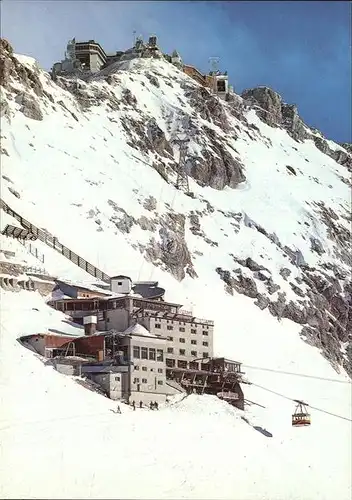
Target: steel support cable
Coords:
[[158, 201], [307, 404], [298, 374]]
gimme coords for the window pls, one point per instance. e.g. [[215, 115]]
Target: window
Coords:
[[144, 353], [160, 355], [204, 332], [144, 380], [193, 353], [205, 344], [136, 367], [117, 379], [205, 354], [136, 352], [193, 330], [194, 342], [182, 341], [182, 364], [170, 363], [136, 380], [160, 370], [119, 283], [170, 338], [157, 325], [221, 86], [182, 329], [152, 354], [152, 369], [160, 382], [170, 350], [170, 327], [182, 352], [144, 368]]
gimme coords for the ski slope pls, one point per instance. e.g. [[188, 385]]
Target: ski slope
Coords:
[[58, 439]]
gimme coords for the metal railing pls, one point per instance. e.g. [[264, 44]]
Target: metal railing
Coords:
[[54, 243], [32, 250]]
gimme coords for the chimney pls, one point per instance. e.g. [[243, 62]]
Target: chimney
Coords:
[[90, 325]]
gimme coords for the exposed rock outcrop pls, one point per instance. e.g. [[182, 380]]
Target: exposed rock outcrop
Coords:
[[341, 157], [5, 109], [172, 249], [29, 106], [216, 168], [12, 69], [274, 112], [121, 219], [208, 106], [347, 146], [150, 203], [240, 283], [270, 108], [157, 138]]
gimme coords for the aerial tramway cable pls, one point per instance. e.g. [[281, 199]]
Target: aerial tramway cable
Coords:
[[295, 401], [158, 201], [298, 374]]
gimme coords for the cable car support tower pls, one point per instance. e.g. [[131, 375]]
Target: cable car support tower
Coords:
[[182, 177]]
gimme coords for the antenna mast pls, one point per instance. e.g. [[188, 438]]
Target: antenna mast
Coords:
[[214, 68]]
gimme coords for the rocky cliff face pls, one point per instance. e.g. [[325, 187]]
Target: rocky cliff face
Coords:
[[274, 112], [278, 209]]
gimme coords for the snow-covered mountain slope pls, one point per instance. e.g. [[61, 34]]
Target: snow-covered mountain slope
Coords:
[[99, 155], [261, 246], [59, 440]]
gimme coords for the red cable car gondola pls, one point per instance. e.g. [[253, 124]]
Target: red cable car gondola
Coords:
[[300, 417]]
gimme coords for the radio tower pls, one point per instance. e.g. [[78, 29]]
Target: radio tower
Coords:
[[214, 67], [182, 177]]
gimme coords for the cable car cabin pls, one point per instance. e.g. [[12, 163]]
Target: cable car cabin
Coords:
[[301, 416]]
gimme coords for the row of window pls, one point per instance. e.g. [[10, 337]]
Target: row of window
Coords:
[[182, 352], [184, 323], [171, 363], [145, 353], [193, 342], [181, 329], [144, 369], [145, 381]]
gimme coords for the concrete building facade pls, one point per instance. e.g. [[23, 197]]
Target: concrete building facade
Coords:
[[130, 365], [187, 337], [147, 377], [91, 55]]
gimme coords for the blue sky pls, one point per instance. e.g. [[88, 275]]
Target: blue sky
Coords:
[[300, 49]]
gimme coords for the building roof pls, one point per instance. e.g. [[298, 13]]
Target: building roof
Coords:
[[138, 329], [181, 317], [121, 276], [87, 287]]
